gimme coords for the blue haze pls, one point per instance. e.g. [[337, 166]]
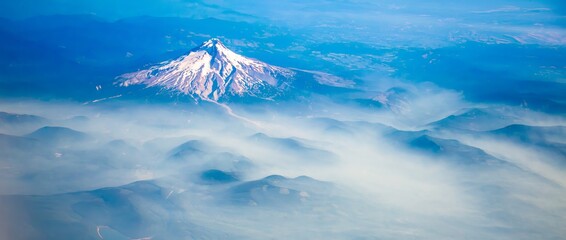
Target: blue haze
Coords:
[[452, 124]]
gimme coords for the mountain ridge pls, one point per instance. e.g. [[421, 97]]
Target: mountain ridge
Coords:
[[211, 72]]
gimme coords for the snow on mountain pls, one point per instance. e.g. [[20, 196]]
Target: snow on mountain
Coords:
[[396, 99], [212, 71]]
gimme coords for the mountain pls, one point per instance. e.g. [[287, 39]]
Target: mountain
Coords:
[[278, 191], [292, 149], [395, 99], [545, 137], [15, 124], [212, 72], [439, 148], [202, 156], [215, 176], [133, 211], [153, 209], [532, 134], [476, 119], [58, 136]]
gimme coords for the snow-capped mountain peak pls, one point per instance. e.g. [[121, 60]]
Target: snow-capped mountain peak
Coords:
[[213, 44], [211, 72]]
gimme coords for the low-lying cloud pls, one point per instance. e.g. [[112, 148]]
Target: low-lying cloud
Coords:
[[385, 184]]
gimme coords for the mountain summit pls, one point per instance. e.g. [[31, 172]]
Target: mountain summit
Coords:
[[212, 72]]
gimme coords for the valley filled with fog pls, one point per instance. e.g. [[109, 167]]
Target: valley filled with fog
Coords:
[[169, 170]]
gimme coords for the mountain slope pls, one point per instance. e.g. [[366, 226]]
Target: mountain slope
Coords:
[[211, 72]]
